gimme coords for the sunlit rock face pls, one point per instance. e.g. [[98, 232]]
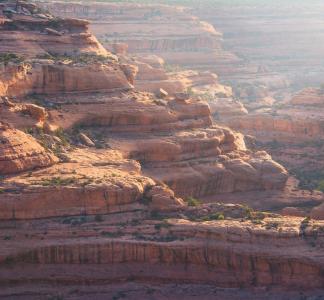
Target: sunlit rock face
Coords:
[[20, 152], [99, 178], [168, 31]]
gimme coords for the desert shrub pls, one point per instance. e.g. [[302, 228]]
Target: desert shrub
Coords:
[[164, 224], [272, 225], [58, 181], [145, 200], [5, 58], [172, 68], [62, 136], [98, 218], [320, 185], [83, 58], [217, 216], [321, 88], [192, 201]]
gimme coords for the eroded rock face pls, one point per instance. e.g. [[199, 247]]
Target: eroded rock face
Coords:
[[309, 97], [292, 132], [278, 42], [26, 32], [226, 253], [111, 210], [21, 152], [89, 183], [168, 31], [36, 61], [170, 142], [318, 212], [50, 78]]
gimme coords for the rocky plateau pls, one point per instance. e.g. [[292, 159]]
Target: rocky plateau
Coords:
[[116, 180]]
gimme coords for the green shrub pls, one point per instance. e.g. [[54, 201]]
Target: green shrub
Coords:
[[58, 181], [5, 58], [213, 217], [320, 185], [98, 218], [192, 201]]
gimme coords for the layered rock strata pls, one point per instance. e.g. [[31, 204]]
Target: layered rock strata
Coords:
[[229, 253], [109, 209], [20, 152], [168, 31]]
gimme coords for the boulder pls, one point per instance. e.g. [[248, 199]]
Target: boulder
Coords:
[[163, 199], [51, 31], [21, 152], [162, 93], [86, 140], [318, 212]]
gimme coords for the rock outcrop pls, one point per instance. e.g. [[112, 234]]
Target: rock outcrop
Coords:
[[292, 132], [21, 152], [275, 253], [117, 200], [279, 45], [25, 31], [49, 77], [167, 31]]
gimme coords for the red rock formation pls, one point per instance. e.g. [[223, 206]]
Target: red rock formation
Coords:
[[25, 33], [228, 253], [20, 152], [46, 77], [168, 31], [104, 213], [279, 43], [308, 97]]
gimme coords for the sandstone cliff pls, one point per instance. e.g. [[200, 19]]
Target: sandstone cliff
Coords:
[[101, 189], [168, 31]]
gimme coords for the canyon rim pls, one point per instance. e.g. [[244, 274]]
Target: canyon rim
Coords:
[[161, 150]]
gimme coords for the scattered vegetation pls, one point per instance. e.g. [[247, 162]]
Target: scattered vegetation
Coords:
[[304, 224], [213, 217], [57, 181], [272, 225], [119, 295], [74, 221], [164, 239], [321, 89], [7, 238], [98, 218], [173, 68], [145, 200], [63, 137], [83, 58], [192, 201], [320, 185], [111, 234], [8, 57], [204, 96], [309, 180], [164, 224]]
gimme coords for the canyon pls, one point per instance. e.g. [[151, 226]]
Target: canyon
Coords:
[[116, 177], [263, 58], [261, 50]]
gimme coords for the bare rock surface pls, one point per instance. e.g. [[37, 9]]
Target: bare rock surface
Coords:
[[21, 152], [130, 208]]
